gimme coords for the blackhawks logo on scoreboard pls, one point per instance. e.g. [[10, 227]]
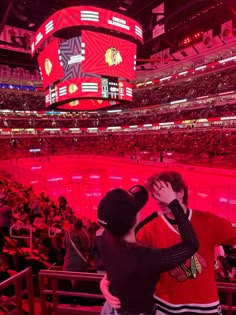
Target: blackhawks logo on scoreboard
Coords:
[[113, 56]]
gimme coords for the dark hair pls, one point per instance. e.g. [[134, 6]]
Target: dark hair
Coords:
[[47, 242], [118, 243], [174, 178], [120, 234], [2, 240], [78, 224], [5, 202]]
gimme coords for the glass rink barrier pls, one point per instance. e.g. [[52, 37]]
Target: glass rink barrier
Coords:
[[83, 180]]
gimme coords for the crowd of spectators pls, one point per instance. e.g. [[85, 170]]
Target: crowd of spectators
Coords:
[[25, 101], [51, 222], [216, 146], [188, 88], [191, 88], [161, 115], [19, 74], [225, 263]]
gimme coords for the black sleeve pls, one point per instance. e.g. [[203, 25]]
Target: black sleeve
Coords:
[[175, 255]]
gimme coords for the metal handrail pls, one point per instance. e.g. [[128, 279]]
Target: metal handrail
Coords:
[[52, 231], [71, 275], [17, 281], [30, 237], [229, 289], [54, 277]]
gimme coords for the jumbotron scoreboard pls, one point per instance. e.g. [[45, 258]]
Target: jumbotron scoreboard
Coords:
[[90, 61]]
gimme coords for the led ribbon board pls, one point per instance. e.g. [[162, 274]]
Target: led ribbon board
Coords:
[[86, 16]]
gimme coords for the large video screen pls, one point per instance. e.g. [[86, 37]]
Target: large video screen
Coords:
[[50, 64], [91, 65], [108, 55]]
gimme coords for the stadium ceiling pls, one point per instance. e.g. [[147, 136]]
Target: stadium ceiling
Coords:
[[182, 18]]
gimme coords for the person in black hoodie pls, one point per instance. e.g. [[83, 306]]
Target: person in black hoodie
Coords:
[[132, 269]]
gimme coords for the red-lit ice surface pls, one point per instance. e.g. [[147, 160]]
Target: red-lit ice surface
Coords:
[[84, 180]]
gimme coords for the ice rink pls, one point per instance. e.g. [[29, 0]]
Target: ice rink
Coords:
[[84, 180]]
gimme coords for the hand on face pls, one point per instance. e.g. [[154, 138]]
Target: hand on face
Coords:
[[163, 192]]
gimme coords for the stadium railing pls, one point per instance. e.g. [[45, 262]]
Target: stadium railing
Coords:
[[49, 281], [83, 290], [13, 292], [19, 236], [66, 292], [227, 293]]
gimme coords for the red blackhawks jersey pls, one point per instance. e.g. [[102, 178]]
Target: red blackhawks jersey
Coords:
[[189, 288]]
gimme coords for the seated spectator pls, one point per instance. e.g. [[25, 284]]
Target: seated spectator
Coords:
[[5, 217]]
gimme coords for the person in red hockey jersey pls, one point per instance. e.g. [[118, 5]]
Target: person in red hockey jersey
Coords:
[[189, 288]]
